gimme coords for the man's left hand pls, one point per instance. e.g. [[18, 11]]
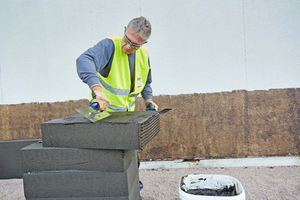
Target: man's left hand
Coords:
[[148, 104]]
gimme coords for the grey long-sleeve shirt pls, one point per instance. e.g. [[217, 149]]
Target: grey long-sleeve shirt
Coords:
[[98, 59]]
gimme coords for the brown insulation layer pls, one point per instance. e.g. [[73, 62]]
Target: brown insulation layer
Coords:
[[215, 125]]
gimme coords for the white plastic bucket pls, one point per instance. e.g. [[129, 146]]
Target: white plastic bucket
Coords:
[[209, 181]]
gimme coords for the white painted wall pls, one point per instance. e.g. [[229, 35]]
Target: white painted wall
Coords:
[[197, 46]]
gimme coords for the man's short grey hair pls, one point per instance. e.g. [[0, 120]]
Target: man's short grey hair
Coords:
[[141, 26]]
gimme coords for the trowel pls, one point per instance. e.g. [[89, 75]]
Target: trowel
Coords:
[[93, 112], [151, 107]]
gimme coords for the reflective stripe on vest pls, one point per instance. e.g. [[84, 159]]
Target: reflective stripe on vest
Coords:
[[117, 108], [115, 91], [117, 85]]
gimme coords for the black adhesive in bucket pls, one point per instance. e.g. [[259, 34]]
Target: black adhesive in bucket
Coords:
[[226, 191]]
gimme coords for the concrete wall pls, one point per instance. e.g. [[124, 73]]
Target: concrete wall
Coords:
[[209, 45], [200, 51], [216, 125]]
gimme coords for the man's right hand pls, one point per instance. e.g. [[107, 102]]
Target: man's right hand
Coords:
[[100, 97]]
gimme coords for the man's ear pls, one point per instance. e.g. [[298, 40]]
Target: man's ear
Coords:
[[145, 42], [124, 28]]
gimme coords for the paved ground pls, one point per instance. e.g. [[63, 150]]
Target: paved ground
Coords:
[[259, 182], [271, 183]]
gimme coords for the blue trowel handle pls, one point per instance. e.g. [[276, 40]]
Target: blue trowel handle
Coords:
[[95, 106]]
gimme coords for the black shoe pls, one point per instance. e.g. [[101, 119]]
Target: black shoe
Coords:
[[141, 198]]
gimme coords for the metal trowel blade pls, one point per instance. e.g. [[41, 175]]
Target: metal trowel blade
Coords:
[[92, 114]]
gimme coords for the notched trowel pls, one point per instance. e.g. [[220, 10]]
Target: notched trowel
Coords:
[[151, 107], [92, 112]]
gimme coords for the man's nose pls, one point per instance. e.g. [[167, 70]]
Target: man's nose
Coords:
[[128, 46]]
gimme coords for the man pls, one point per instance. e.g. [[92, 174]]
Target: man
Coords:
[[117, 69]]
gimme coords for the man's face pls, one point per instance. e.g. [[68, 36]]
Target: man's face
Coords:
[[134, 38]]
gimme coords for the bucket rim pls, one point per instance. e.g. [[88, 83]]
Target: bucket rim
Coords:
[[241, 194]]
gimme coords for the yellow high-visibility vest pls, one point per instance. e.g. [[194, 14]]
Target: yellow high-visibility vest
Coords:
[[117, 85]]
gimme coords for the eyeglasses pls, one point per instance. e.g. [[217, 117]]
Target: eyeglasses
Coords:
[[133, 45]]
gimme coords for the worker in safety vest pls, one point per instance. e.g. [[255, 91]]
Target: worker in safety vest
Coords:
[[117, 69]]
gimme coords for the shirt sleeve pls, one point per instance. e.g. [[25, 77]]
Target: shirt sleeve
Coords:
[[95, 60], [147, 91]]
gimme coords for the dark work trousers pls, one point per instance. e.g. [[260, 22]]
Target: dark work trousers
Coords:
[[141, 184]]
